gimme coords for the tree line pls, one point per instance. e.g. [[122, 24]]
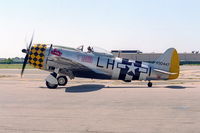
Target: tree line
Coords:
[[15, 60]]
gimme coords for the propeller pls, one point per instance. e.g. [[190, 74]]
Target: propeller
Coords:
[[27, 50]]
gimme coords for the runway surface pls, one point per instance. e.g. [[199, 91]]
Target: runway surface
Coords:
[[99, 106]]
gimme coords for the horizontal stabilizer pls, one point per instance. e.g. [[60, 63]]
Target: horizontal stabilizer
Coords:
[[164, 72]]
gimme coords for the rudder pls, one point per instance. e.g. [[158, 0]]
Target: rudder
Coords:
[[174, 67]]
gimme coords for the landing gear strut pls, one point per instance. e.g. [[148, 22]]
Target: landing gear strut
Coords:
[[150, 84]]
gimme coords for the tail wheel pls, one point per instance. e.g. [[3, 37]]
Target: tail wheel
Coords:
[[51, 86], [150, 84], [62, 80]]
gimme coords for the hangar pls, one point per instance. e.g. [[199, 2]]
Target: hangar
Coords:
[[185, 58]]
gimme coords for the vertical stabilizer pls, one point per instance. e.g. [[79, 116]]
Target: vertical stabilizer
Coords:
[[169, 62]]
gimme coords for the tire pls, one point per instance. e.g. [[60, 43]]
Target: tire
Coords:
[[150, 84], [62, 80], [51, 86]]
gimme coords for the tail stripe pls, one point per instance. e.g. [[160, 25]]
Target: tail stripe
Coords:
[[149, 71]]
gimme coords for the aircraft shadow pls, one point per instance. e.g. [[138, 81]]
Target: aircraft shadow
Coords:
[[127, 87], [176, 87], [84, 88], [96, 87]]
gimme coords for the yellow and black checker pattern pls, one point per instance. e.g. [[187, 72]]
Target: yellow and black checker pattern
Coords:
[[36, 55]]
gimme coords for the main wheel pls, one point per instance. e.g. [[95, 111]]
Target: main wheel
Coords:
[[150, 84], [62, 80], [51, 86]]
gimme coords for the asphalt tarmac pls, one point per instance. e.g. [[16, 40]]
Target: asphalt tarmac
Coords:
[[99, 106]]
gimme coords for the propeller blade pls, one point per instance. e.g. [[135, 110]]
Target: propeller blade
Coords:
[[30, 44], [27, 55], [24, 64]]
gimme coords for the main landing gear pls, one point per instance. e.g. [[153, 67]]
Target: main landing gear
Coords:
[[61, 81], [51, 86], [149, 84], [52, 81]]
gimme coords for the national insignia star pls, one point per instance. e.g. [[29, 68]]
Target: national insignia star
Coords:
[[131, 70]]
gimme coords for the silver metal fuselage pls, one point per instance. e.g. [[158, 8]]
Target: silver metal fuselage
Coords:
[[75, 63]]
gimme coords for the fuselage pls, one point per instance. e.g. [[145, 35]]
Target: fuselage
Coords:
[[90, 64]]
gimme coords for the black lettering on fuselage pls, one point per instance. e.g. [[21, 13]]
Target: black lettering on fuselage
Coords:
[[110, 63], [162, 63], [98, 63]]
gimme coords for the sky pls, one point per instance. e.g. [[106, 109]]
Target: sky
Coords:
[[146, 25]]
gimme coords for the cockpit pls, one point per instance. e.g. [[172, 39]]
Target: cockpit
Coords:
[[95, 50]]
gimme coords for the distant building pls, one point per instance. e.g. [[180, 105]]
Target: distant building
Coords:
[[1, 59], [127, 51], [18, 60], [119, 52], [185, 58]]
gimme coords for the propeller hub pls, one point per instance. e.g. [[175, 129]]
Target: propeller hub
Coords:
[[24, 51]]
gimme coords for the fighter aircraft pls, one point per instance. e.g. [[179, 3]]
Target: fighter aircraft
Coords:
[[65, 62]]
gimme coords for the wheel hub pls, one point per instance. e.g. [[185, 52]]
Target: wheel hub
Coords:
[[61, 80]]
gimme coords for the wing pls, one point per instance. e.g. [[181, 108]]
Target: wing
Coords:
[[78, 69], [67, 63]]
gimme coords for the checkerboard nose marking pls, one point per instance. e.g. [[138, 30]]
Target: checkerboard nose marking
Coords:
[[36, 56]]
